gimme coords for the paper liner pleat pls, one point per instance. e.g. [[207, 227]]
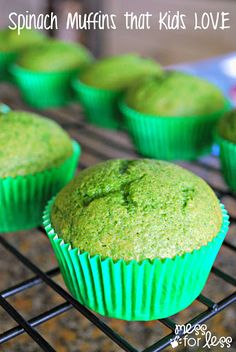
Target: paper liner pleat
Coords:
[[228, 162], [171, 138], [100, 106], [44, 90], [146, 290], [6, 60], [23, 198]]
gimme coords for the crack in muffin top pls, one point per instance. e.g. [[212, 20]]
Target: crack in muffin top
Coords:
[[136, 209]]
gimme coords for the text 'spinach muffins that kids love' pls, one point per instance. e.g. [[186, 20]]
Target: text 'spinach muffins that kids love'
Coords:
[[49, 69], [99, 87], [226, 137], [37, 158], [136, 239], [11, 44], [173, 117]]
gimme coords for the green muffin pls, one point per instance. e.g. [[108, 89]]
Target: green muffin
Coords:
[[136, 239], [10, 41], [175, 94], [101, 85], [11, 44], [54, 56], [50, 68], [227, 127], [30, 144], [173, 117], [226, 138], [137, 209], [118, 72], [37, 159]]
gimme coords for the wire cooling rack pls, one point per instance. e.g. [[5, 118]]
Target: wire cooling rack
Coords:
[[97, 145]]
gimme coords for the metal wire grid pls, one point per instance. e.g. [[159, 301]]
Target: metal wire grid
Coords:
[[109, 142]]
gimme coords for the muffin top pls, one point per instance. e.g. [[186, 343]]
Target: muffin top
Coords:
[[118, 72], [136, 209], [227, 126], [54, 55], [175, 94], [11, 41], [30, 143]]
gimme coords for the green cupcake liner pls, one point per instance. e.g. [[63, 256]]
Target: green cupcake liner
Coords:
[[171, 138], [6, 60], [44, 90], [146, 290], [23, 198], [100, 105], [228, 161]]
